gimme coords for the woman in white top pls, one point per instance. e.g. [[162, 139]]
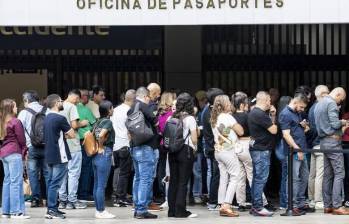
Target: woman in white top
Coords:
[[181, 162], [225, 130]]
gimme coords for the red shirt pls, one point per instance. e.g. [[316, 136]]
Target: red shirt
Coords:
[[14, 141]]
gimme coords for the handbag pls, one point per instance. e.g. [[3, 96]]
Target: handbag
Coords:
[[90, 142]]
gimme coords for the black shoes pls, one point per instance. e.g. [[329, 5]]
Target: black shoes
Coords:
[[146, 215], [35, 203], [270, 207], [308, 209], [54, 215]]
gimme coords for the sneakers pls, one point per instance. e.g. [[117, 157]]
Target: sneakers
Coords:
[[270, 207], [263, 212], [5, 216], [76, 205], [197, 200], [244, 208], [346, 204], [164, 205], [319, 205], [119, 203], [193, 215], [62, 205], [213, 207], [54, 215], [146, 215], [104, 215], [154, 207], [35, 203], [20, 216]]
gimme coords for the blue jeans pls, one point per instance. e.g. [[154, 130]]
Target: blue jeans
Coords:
[[56, 175], [12, 188], [69, 188], [36, 166], [144, 160], [197, 186], [101, 169], [300, 181], [151, 193], [261, 166], [283, 185], [85, 189]]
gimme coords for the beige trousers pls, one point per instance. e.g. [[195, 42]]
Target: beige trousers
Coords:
[[316, 176]]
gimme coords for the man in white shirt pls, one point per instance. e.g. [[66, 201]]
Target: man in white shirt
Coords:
[[121, 154]]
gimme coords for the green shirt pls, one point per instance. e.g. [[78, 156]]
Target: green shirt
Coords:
[[105, 123], [85, 114]]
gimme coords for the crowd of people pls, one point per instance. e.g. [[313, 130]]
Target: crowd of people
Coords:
[[209, 142]]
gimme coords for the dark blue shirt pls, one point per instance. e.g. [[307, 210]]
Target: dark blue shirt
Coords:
[[56, 147], [290, 120]]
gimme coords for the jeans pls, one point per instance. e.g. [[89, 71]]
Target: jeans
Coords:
[[197, 172], [144, 162], [12, 188], [85, 189], [214, 182], [56, 174], [300, 181], [123, 162], [332, 186], [283, 185], [155, 166], [101, 169], [261, 166], [209, 174], [69, 188], [180, 170], [36, 167]]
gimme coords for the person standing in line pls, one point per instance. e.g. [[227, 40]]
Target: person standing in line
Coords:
[[317, 159], [36, 155], [13, 150], [57, 153], [181, 162], [98, 95], [101, 162], [226, 131], [121, 151], [329, 129], [262, 127]]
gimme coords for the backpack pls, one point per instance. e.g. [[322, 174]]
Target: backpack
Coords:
[[37, 127], [139, 131], [173, 135]]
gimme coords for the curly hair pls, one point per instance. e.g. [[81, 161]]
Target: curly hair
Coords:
[[218, 107], [166, 102], [184, 104]]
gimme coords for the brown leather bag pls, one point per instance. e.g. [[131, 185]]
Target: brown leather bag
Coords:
[[90, 144]]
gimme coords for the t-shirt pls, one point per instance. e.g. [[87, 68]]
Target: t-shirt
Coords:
[[85, 114], [56, 147], [94, 108], [224, 136], [258, 122], [118, 119], [105, 123], [242, 119], [70, 112], [189, 125]]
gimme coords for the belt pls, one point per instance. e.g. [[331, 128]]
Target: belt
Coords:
[[336, 137]]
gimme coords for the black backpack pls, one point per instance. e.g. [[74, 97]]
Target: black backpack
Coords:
[[173, 135], [37, 127], [138, 129]]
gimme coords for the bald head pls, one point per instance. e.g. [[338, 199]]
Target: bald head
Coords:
[[154, 91], [338, 94], [263, 100], [130, 96], [321, 91]]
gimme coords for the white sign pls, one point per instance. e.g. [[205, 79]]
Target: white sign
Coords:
[[170, 12]]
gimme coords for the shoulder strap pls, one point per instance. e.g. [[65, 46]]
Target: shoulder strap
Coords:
[[43, 110], [30, 110], [136, 107]]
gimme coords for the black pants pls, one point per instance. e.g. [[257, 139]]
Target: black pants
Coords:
[[123, 161], [181, 166], [161, 173], [214, 184]]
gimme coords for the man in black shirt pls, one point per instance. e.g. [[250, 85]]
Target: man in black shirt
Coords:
[[209, 148], [144, 158], [263, 130]]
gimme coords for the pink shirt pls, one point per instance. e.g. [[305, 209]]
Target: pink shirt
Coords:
[[14, 141], [162, 123]]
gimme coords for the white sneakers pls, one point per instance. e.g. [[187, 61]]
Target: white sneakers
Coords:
[[164, 205], [193, 215], [19, 216], [104, 215]]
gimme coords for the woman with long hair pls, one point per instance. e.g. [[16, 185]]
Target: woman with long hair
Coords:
[[181, 162], [12, 153], [240, 103], [165, 112], [226, 130], [101, 163]]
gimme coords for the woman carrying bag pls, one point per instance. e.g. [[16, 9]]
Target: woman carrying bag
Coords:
[[12, 152]]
